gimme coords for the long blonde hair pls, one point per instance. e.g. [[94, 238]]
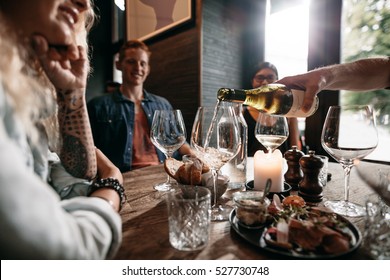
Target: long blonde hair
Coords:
[[24, 93], [27, 88]]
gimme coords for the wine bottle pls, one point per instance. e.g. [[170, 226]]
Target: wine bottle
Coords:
[[274, 99]]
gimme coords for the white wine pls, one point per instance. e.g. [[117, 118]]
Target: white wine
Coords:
[[274, 99], [271, 142]]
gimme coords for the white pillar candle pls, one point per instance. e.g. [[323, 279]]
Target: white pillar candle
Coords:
[[268, 166]]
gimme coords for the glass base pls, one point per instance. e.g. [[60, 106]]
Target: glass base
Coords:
[[220, 213], [163, 187], [346, 208]]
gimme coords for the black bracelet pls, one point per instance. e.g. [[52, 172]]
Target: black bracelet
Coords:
[[111, 183]]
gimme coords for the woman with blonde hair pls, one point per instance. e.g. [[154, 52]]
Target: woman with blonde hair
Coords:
[[36, 224]]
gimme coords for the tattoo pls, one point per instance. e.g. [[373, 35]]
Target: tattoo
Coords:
[[78, 150], [72, 146]]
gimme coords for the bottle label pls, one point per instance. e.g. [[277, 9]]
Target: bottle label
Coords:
[[296, 108]]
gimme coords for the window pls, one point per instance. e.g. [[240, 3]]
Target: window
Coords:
[[285, 47], [366, 25], [118, 34]]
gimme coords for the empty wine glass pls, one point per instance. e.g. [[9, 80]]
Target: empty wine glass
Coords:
[[215, 139], [271, 131], [378, 176], [168, 134], [349, 134]]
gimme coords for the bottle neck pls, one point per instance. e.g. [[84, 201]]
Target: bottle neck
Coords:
[[231, 95]]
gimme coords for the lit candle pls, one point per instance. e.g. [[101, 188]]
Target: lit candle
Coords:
[[269, 166]]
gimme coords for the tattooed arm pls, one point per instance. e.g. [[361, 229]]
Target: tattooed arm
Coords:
[[68, 70], [77, 151]]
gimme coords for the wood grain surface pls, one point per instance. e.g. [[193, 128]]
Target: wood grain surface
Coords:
[[145, 222]]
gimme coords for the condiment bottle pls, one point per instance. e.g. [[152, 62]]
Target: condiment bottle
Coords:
[[294, 173], [274, 99], [310, 187]]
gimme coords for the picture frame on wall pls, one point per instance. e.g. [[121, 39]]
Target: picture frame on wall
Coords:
[[146, 19]]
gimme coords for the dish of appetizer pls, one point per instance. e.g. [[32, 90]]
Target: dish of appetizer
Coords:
[[296, 230]]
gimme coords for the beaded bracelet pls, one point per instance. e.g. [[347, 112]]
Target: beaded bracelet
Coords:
[[111, 183]]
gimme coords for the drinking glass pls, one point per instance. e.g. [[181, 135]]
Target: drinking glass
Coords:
[[215, 139], [189, 218], [271, 131], [349, 134], [376, 242], [168, 134]]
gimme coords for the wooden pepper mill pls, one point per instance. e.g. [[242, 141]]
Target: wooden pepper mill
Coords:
[[294, 173], [310, 187]]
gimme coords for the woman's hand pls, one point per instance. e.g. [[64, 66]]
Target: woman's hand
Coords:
[[67, 67]]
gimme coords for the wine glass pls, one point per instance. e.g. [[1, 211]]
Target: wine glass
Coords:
[[215, 139], [271, 131], [378, 178], [374, 175], [349, 134], [168, 134]]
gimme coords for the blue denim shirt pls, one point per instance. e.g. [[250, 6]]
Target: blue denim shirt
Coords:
[[112, 122]]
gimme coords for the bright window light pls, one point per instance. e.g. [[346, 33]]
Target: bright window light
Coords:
[[286, 43], [120, 4]]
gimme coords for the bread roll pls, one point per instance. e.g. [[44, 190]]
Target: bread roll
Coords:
[[188, 173]]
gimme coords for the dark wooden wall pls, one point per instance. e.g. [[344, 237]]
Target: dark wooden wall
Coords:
[[175, 67], [221, 51], [190, 64], [232, 40], [175, 72]]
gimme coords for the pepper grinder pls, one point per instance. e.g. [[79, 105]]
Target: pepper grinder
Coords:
[[294, 173], [310, 187]]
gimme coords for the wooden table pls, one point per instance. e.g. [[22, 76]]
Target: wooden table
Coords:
[[145, 224]]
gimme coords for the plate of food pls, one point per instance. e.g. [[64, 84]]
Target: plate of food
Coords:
[[296, 230]]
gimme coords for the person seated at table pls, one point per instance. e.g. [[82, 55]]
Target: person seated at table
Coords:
[[66, 127], [265, 73], [121, 121], [69, 134], [35, 223]]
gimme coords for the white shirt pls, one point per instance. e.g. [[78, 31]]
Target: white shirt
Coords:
[[34, 222]]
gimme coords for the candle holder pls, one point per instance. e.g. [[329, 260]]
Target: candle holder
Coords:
[[284, 193]]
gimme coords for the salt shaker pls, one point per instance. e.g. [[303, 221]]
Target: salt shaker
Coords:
[[310, 187], [294, 173]]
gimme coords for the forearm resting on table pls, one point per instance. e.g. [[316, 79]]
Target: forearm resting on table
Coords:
[[110, 195], [106, 169]]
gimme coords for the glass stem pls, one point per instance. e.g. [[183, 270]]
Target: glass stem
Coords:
[[167, 156], [347, 171], [215, 179]]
